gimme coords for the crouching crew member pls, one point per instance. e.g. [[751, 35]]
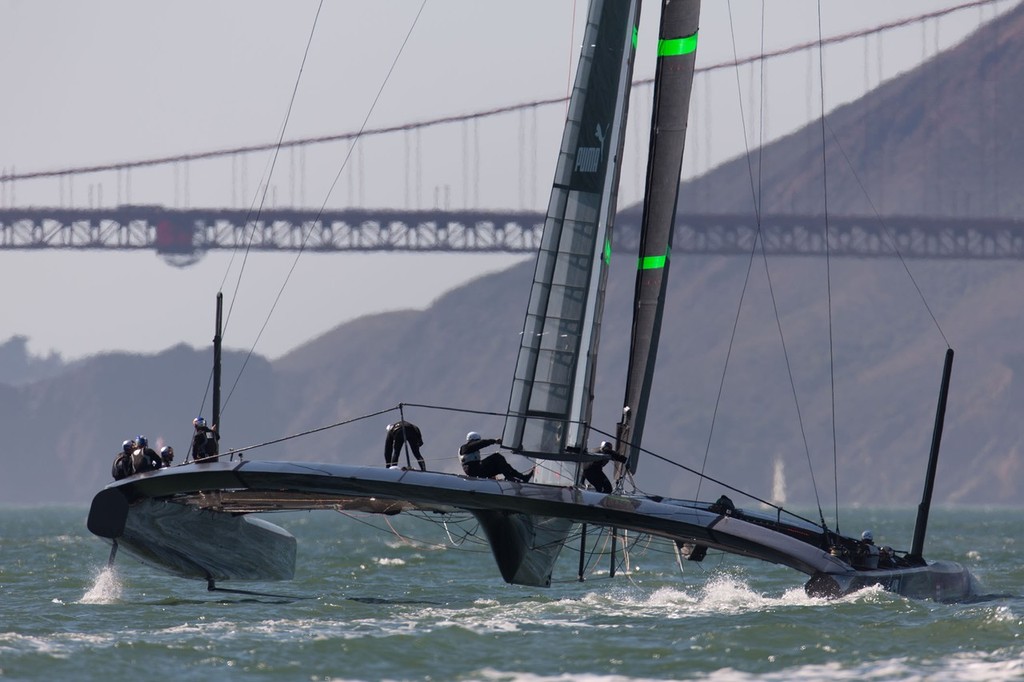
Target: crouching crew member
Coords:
[[477, 466]]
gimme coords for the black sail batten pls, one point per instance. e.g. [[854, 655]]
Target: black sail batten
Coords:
[[677, 46], [552, 389]]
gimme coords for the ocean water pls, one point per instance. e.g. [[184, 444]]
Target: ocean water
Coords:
[[410, 599]]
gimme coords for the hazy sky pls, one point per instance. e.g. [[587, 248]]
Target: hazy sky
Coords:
[[105, 81]]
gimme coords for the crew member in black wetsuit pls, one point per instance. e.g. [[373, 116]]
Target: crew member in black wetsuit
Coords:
[[122, 467], [477, 466], [205, 447], [400, 433], [144, 458], [593, 473]]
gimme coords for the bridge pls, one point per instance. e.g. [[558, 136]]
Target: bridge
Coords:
[[182, 236], [154, 208]]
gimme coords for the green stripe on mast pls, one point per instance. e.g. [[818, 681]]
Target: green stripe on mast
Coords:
[[675, 47], [653, 262]]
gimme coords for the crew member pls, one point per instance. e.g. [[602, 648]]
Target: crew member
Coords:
[[477, 466], [867, 556], [593, 473], [144, 458], [205, 447], [400, 433], [122, 466]]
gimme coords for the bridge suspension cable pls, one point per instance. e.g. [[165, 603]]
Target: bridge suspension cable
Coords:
[[473, 116]]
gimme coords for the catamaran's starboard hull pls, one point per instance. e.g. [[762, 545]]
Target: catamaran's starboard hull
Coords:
[[941, 581]]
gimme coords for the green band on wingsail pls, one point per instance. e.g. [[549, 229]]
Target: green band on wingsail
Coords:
[[653, 262], [636, 35], [675, 47], [607, 251]]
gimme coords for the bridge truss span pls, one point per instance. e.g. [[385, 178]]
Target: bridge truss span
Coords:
[[367, 230], [796, 235], [183, 236]]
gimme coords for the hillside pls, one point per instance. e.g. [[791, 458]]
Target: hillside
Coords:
[[942, 139]]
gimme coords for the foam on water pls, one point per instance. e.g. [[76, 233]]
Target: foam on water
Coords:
[[962, 667], [722, 593], [106, 588]]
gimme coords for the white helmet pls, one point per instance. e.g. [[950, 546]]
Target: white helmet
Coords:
[[388, 427], [867, 536], [472, 435]]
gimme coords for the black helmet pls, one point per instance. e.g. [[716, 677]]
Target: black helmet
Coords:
[[127, 447]]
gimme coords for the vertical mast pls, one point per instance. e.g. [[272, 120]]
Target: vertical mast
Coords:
[[677, 47], [917, 548], [552, 389], [215, 421]]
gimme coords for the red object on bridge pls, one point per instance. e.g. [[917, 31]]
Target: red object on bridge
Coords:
[[174, 238]]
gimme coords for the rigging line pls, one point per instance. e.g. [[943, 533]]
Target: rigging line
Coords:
[[445, 408], [792, 381], [888, 233], [604, 536], [407, 539], [568, 68], [330, 190], [759, 197], [828, 268], [265, 181], [750, 261], [725, 485], [759, 203], [269, 172], [236, 451]]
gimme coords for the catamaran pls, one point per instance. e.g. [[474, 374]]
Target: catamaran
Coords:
[[196, 520]]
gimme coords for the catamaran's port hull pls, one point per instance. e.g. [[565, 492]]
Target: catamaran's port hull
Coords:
[[224, 489], [195, 543]]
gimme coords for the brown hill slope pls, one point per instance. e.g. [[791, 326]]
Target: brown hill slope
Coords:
[[943, 139]]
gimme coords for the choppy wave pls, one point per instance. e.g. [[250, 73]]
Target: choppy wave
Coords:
[[365, 606]]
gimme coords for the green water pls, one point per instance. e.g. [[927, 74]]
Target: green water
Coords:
[[404, 602]]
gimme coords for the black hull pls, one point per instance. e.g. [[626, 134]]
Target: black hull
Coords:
[[166, 517], [941, 581]]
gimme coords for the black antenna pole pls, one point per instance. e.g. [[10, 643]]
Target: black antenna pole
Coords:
[[917, 549], [216, 364]]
